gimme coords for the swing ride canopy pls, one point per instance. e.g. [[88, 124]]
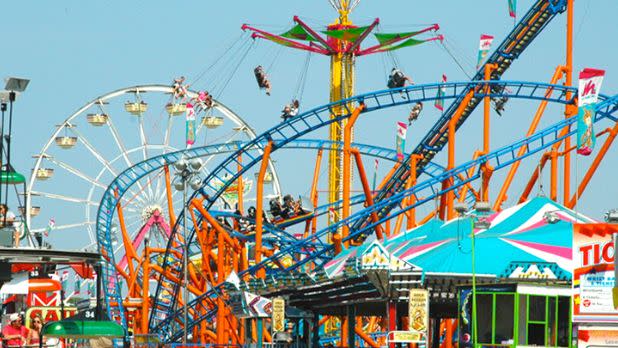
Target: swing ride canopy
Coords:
[[522, 239], [303, 37]]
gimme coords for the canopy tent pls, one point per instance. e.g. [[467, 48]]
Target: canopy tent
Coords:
[[536, 232], [83, 329]]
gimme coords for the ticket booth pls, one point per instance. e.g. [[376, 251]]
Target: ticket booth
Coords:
[[515, 315]]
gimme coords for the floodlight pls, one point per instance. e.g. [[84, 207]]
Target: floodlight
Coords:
[[196, 163], [482, 207], [179, 186], [181, 164], [460, 207], [15, 84], [195, 183]]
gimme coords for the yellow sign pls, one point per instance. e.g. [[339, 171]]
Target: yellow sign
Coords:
[[418, 312], [49, 313], [404, 337], [278, 314]]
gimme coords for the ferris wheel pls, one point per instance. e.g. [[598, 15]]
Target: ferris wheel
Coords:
[[105, 137]]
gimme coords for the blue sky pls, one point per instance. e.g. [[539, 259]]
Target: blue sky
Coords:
[[74, 51]]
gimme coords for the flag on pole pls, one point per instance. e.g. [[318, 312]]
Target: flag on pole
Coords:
[[400, 139], [375, 174], [190, 131], [513, 8], [91, 284], [439, 104], [50, 226], [484, 46], [590, 81], [64, 280], [77, 285]]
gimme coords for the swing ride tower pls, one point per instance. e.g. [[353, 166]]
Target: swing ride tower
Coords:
[[342, 43]]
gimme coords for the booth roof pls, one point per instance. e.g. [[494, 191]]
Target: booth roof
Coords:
[[518, 234]]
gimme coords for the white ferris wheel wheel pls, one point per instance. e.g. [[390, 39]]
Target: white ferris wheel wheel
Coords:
[[103, 138]]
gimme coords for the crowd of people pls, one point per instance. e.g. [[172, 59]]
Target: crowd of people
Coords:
[[8, 223], [278, 212], [15, 334]]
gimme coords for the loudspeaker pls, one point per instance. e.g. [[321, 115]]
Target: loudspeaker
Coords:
[[5, 271]]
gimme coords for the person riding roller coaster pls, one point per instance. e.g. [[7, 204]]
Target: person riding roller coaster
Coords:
[[499, 101], [415, 112], [262, 79], [397, 79]]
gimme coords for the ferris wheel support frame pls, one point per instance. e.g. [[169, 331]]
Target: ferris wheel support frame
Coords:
[[100, 101]]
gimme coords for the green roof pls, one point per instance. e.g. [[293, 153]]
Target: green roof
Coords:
[[83, 329], [11, 177]]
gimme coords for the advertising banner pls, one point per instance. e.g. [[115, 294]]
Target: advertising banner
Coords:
[[593, 276], [278, 314], [595, 337], [484, 46], [590, 81], [418, 313]]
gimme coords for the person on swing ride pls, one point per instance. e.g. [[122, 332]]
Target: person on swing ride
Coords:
[[415, 112], [290, 110], [397, 79], [262, 79], [179, 90], [203, 100]]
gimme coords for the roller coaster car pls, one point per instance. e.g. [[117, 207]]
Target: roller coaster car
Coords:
[[290, 214]]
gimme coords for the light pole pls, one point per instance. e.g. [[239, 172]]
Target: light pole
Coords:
[[187, 172], [13, 86]]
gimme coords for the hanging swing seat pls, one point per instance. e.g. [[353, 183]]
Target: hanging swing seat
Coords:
[[34, 211], [135, 108], [175, 109], [97, 120], [44, 173], [66, 142], [212, 121]]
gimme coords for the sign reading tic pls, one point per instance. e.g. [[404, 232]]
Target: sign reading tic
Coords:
[[593, 274]]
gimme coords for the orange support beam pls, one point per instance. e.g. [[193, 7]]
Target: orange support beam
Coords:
[[535, 122], [593, 166], [145, 290], [347, 175], [487, 106], [452, 125], [553, 189], [259, 208], [411, 223], [568, 112], [130, 252], [367, 190], [240, 187], [314, 191]]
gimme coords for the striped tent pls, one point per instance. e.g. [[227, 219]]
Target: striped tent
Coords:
[[537, 232]]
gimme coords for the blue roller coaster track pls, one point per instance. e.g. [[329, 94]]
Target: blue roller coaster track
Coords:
[[130, 176], [499, 159]]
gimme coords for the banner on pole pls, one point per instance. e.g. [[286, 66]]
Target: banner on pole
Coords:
[[484, 46], [590, 81], [190, 129], [418, 313], [439, 104], [400, 140], [513, 8], [278, 314]]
